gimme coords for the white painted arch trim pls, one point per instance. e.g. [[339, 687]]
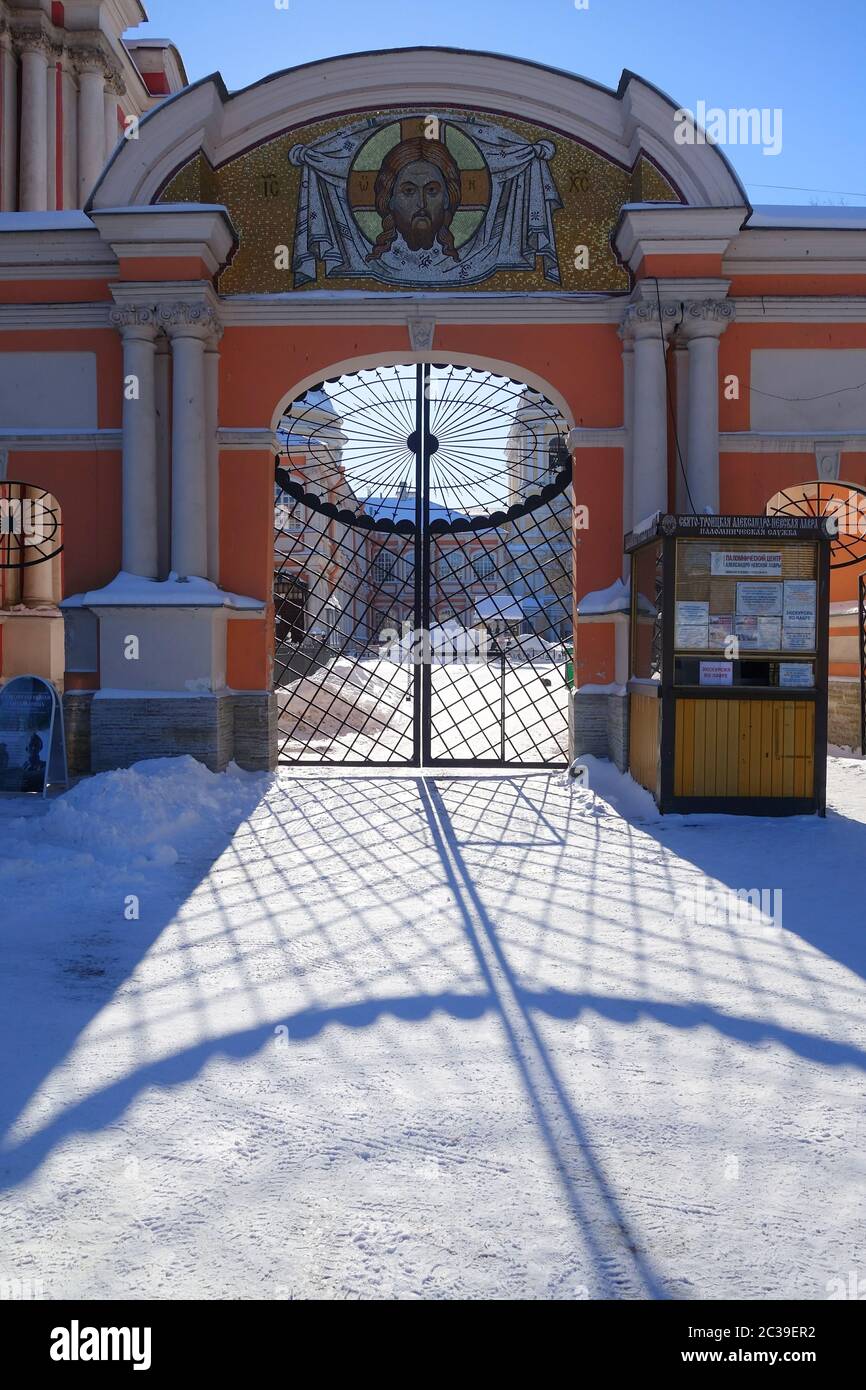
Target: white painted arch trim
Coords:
[[408, 358], [636, 118]]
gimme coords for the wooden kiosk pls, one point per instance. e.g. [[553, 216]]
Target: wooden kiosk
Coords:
[[729, 644]]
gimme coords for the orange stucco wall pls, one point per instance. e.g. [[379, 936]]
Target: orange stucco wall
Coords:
[[260, 367], [87, 484]]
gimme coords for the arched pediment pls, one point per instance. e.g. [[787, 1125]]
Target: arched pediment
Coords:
[[517, 140]]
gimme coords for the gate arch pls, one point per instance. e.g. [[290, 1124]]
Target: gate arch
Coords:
[[424, 510]]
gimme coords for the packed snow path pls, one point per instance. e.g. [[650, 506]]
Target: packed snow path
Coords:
[[396, 1036]]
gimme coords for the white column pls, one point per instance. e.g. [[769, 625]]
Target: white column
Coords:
[[8, 125], [163, 453], [212, 378], [112, 130], [34, 129], [681, 455], [628, 426], [138, 326], [189, 326], [703, 324], [650, 408], [91, 129], [70, 136]]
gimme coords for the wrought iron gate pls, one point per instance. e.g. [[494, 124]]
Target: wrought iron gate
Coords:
[[424, 513]]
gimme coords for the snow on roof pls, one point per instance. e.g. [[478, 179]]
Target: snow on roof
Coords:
[[614, 599], [766, 215], [45, 221], [133, 591], [402, 508]]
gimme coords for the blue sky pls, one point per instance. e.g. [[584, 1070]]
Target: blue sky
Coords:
[[805, 58]]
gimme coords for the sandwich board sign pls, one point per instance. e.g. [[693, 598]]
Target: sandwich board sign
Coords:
[[32, 740]]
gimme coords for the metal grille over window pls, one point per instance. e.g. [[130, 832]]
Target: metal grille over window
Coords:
[[423, 581]]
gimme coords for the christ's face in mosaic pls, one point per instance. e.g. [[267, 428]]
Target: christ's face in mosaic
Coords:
[[419, 203]]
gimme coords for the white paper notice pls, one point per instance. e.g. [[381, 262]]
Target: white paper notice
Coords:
[[796, 673], [769, 634], [691, 625], [799, 604], [717, 673], [798, 639], [755, 562], [798, 615], [721, 627], [747, 632], [760, 599]]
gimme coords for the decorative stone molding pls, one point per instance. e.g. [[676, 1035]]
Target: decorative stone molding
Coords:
[[646, 319], [706, 318], [828, 459], [182, 320], [136, 319], [421, 332], [35, 41]]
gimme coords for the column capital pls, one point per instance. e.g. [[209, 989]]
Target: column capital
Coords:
[[134, 320], [188, 320], [88, 51], [34, 41], [706, 318], [647, 319]]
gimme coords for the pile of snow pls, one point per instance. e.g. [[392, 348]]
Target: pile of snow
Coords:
[[132, 590], [349, 705], [150, 814], [614, 599]]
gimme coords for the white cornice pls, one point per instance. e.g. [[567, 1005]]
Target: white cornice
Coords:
[[62, 441], [580, 438], [791, 250], [676, 290], [760, 442], [251, 438], [155, 292], [44, 317], [169, 231], [43, 251], [664, 229], [351, 307], [800, 309]]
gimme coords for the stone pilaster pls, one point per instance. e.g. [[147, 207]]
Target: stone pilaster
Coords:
[[138, 326], [703, 323], [650, 327], [189, 326], [34, 49]]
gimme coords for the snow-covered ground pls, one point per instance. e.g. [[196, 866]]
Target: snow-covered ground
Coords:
[[397, 1036]]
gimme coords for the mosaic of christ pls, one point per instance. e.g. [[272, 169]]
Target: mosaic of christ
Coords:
[[417, 193], [424, 200]]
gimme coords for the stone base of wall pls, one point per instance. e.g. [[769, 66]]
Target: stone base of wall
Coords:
[[599, 726], [255, 732], [125, 730], [76, 727], [843, 712]]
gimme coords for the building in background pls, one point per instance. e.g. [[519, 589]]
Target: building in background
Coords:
[[70, 87], [539, 545]]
